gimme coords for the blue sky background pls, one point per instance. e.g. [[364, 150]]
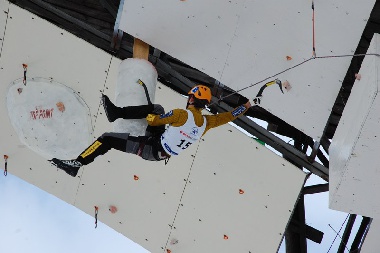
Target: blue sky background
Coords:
[[34, 221]]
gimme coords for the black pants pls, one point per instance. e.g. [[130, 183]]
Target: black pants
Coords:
[[147, 147]]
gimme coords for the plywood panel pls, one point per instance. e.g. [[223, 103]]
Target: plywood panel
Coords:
[[147, 194], [146, 206], [4, 5], [46, 49], [229, 196], [242, 42], [355, 146], [371, 242]]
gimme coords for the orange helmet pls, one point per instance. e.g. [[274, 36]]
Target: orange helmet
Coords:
[[201, 92]]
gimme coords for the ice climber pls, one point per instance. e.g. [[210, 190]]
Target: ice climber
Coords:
[[184, 128]]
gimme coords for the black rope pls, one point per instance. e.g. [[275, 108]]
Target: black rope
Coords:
[[337, 233], [145, 90]]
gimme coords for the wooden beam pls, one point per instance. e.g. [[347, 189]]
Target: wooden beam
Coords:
[[140, 49]]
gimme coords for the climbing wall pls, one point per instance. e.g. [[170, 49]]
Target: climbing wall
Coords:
[[45, 51], [354, 169], [212, 198], [372, 238], [241, 43], [3, 17]]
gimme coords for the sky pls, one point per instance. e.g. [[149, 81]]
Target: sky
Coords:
[[32, 221]]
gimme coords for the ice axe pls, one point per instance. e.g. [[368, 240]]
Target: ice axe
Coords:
[[257, 99]]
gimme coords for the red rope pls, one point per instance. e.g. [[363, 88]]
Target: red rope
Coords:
[[313, 19]]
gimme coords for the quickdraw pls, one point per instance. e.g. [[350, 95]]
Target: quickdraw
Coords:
[[6, 165], [96, 216], [25, 66]]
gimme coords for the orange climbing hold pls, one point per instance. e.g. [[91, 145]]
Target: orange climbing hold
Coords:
[[241, 191], [136, 177], [286, 85], [60, 106], [113, 209], [168, 251], [288, 58], [225, 237]]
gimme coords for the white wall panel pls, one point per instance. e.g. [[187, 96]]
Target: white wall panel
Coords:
[[45, 48], [371, 243], [354, 171], [233, 189], [3, 18], [157, 209], [242, 42]]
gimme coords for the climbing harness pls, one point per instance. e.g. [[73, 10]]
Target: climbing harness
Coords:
[[6, 165], [146, 91]]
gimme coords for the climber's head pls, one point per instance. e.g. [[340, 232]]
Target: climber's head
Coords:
[[199, 96]]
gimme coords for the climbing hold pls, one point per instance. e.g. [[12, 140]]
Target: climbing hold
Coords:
[[19, 90], [60, 106], [241, 191], [286, 85], [135, 177], [168, 251], [225, 237], [288, 58], [113, 209], [358, 76]]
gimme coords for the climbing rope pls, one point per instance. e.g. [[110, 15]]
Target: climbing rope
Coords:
[[313, 21], [314, 56], [183, 192], [290, 68], [337, 233]]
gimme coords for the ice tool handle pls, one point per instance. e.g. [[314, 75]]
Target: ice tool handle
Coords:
[[277, 81], [146, 90], [257, 99]]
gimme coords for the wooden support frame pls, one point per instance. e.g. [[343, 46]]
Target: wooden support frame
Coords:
[[140, 49]]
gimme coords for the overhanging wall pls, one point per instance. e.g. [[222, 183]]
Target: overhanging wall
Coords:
[[202, 201]]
